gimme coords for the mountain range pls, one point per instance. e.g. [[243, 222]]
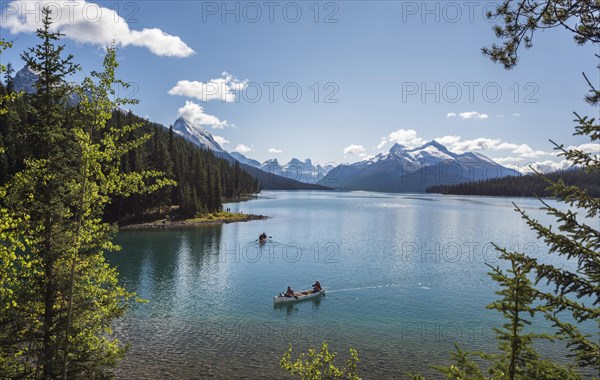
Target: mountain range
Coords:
[[402, 169], [405, 169], [304, 171], [267, 178]]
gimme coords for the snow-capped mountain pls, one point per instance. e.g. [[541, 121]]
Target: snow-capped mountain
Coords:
[[245, 160], [196, 134], [267, 179], [405, 169], [304, 171]]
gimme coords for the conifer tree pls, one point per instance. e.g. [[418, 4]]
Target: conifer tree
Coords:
[[577, 235], [59, 295], [517, 358]]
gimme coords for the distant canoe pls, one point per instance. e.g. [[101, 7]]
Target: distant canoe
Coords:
[[304, 295]]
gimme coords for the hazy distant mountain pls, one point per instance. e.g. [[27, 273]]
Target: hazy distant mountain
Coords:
[[413, 170], [25, 80], [245, 160], [304, 171]]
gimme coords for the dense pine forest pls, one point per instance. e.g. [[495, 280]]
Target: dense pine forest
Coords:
[[202, 179], [524, 186]]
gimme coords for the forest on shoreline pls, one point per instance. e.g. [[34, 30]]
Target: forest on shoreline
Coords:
[[531, 185]]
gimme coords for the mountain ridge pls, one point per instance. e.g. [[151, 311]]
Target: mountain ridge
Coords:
[[415, 169]]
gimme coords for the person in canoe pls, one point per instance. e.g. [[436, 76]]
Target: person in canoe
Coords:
[[289, 292], [317, 287], [262, 238]]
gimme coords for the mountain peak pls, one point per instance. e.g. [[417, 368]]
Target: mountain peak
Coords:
[[196, 134], [397, 148], [25, 80], [437, 145]]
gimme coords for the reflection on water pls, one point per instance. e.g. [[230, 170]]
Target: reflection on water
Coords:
[[404, 282]]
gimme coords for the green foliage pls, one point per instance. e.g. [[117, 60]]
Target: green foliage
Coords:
[[520, 19], [9, 96], [576, 236], [517, 358], [315, 365], [524, 186], [58, 295]]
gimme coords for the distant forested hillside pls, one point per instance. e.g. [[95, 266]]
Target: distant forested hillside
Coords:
[[523, 186], [203, 180]]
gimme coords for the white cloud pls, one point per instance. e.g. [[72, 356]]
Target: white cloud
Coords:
[[216, 89], [516, 114], [525, 150], [457, 145], [275, 150], [354, 149], [481, 143], [526, 167], [587, 148], [468, 115], [221, 140], [547, 166], [406, 137], [243, 149], [472, 115], [194, 114], [448, 141], [90, 23]]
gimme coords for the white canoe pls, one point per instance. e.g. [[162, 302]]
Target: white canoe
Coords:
[[304, 295]]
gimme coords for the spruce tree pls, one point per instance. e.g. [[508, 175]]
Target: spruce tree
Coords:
[[577, 234], [518, 358], [59, 296]]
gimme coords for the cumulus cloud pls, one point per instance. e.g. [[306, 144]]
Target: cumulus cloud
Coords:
[[275, 150], [448, 141], [354, 149], [222, 88], [195, 114], [546, 166], [516, 114], [406, 137], [468, 115], [593, 148], [457, 145], [472, 115], [526, 167], [89, 23], [243, 149], [221, 140], [525, 150]]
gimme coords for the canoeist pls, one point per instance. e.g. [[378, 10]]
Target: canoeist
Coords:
[[289, 292], [317, 287], [262, 237]]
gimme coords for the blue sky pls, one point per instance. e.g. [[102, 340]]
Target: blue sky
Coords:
[[370, 73]]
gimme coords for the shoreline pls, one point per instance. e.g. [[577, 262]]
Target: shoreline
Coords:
[[194, 222]]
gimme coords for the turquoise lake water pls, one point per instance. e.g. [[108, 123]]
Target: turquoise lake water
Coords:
[[405, 276]]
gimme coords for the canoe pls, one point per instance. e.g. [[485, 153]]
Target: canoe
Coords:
[[304, 295]]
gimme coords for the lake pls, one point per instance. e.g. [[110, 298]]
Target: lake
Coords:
[[405, 276]]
